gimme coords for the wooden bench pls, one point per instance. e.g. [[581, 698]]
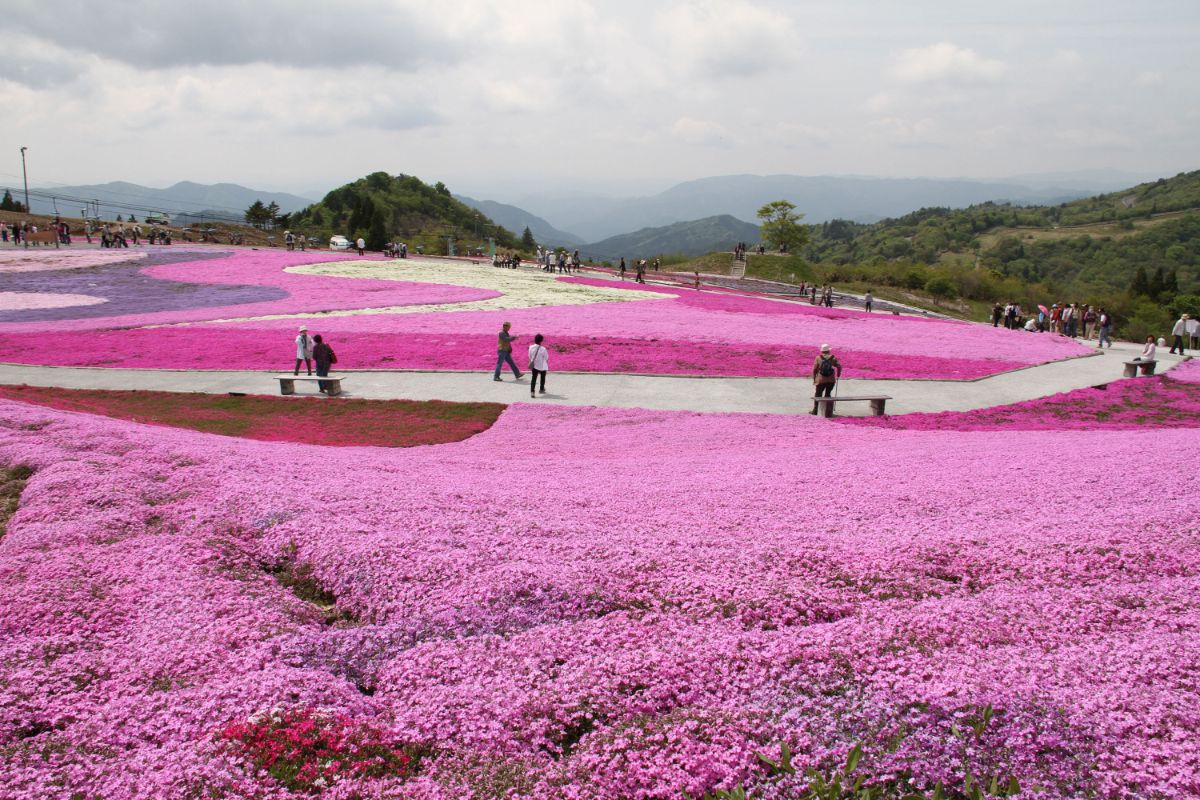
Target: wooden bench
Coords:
[[877, 401], [42, 237], [287, 383], [1131, 368]]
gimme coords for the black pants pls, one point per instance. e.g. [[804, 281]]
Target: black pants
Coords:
[[307, 364], [823, 390], [1177, 343], [533, 383]]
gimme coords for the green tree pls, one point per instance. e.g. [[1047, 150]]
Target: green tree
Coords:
[[527, 240], [1141, 284], [272, 213], [8, 204], [377, 234], [781, 226], [132, 218], [940, 286], [256, 214]]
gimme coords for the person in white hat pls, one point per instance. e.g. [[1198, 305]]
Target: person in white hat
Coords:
[[1179, 331], [825, 373], [304, 348]]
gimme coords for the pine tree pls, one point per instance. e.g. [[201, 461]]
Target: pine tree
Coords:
[[1157, 284], [8, 204], [1141, 284], [1171, 285], [527, 240], [377, 235]]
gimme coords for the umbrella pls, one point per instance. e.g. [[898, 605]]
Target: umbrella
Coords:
[[1043, 309]]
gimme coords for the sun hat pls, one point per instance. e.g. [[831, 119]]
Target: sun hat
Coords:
[[825, 348], [303, 328]]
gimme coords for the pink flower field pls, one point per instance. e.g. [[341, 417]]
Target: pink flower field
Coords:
[[574, 614], [222, 311]]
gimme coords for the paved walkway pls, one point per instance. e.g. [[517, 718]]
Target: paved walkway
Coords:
[[758, 395]]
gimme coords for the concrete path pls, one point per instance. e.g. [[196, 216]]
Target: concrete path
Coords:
[[756, 395]]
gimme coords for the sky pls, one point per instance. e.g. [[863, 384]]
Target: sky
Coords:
[[499, 99]]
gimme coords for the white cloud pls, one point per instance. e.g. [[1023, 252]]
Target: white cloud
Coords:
[[945, 62], [727, 39], [700, 132], [1150, 79]]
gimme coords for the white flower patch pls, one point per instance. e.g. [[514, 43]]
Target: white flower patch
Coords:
[[519, 289]]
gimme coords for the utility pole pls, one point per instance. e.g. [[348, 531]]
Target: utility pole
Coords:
[[26, 176]]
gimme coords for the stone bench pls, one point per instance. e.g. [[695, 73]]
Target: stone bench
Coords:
[[877, 401], [1131, 367], [287, 383]]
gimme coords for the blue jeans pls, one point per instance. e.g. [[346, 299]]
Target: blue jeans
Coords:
[[1104, 332], [503, 356], [321, 373]]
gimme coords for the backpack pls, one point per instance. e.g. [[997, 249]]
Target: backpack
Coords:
[[826, 369]]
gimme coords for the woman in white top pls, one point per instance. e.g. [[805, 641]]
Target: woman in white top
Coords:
[[304, 348], [539, 363], [1148, 351]]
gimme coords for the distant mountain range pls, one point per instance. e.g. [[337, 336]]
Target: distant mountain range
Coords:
[[516, 220], [819, 198], [693, 238], [195, 200]]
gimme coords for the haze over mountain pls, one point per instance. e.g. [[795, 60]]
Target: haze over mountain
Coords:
[[226, 200], [819, 198], [517, 219]]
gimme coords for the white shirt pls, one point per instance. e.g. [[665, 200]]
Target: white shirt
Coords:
[[304, 345], [361, 244], [1148, 352], [1180, 327], [539, 358]]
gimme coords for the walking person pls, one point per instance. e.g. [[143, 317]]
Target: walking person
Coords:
[[361, 244], [324, 358], [1179, 332], [641, 271], [504, 352], [1105, 327], [539, 364], [303, 351], [621, 267], [868, 300], [825, 373]]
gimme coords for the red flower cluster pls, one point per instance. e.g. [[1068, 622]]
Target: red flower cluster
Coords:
[[307, 750]]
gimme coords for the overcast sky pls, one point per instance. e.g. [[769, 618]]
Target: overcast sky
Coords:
[[496, 98]]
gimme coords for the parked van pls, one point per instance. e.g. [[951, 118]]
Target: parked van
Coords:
[[340, 243]]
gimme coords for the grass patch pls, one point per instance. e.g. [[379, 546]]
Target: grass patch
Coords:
[[338, 423], [12, 484]]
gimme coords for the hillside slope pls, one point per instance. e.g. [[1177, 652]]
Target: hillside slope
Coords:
[[682, 238], [382, 208]]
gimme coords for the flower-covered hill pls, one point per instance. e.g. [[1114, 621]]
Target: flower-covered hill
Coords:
[[239, 309], [542, 615]]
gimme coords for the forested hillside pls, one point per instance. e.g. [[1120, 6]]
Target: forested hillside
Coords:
[[382, 208]]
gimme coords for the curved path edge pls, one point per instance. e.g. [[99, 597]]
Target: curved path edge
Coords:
[[677, 393]]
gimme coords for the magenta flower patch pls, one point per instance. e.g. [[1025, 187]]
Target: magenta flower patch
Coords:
[[554, 609]]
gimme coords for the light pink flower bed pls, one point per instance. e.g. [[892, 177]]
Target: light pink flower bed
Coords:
[[685, 332], [43, 259], [575, 615], [13, 301]]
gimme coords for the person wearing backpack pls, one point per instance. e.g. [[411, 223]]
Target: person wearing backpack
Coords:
[[324, 357], [825, 373]]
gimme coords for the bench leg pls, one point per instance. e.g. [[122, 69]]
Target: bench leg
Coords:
[[334, 388], [877, 407], [1130, 370], [286, 386]]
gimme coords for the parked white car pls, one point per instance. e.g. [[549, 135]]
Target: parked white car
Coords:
[[340, 243]]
